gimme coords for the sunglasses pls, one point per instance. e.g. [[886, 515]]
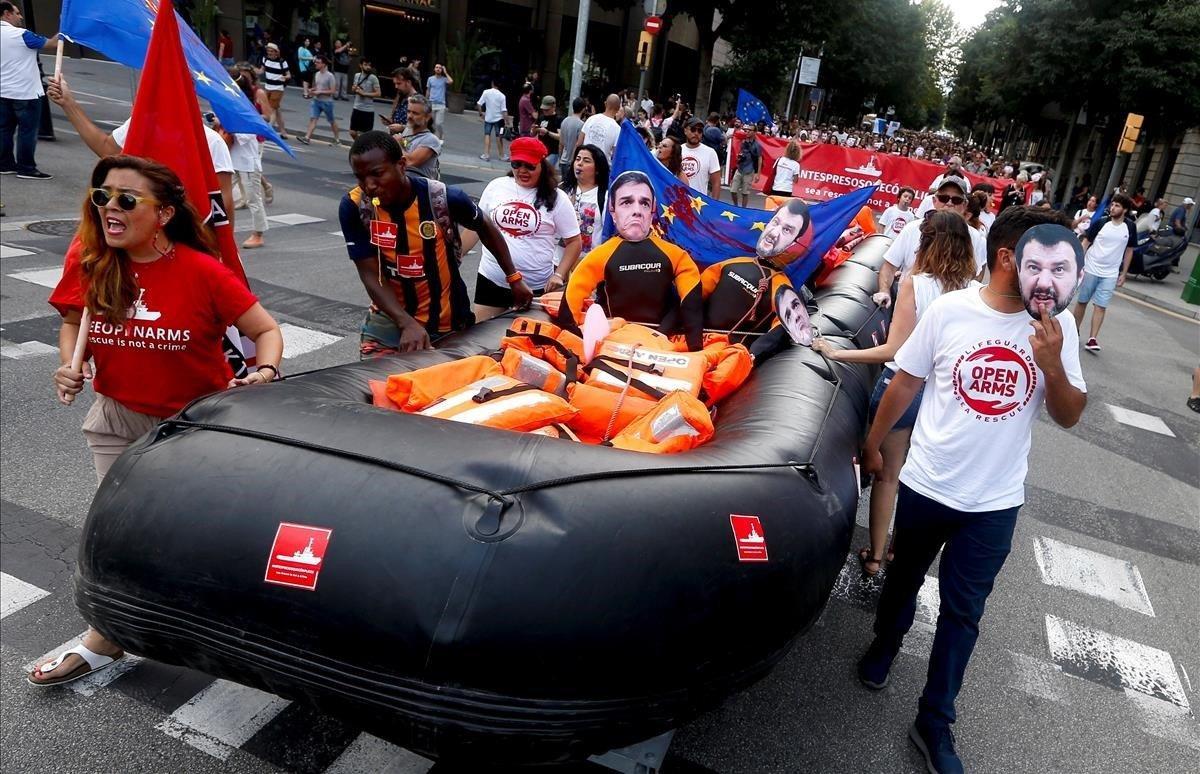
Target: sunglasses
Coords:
[[125, 200], [523, 165], [948, 199]]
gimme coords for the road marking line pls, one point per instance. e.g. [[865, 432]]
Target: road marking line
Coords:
[[294, 219], [90, 685], [8, 251], [299, 341], [222, 717], [370, 753], [1092, 573], [1186, 679], [1038, 678], [26, 349], [16, 594], [47, 278], [851, 587], [1165, 720], [1139, 420], [106, 99], [1114, 661]]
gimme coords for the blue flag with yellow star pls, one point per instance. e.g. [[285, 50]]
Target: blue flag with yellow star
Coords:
[[120, 29], [711, 230], [750, 109]]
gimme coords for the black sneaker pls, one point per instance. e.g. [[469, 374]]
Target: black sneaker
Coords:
[[936, 743], [1194, 404], [876, 664], [8, 171], [303, 140], [36, 174]]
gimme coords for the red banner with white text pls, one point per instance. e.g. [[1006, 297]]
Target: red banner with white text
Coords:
[[828, 171]]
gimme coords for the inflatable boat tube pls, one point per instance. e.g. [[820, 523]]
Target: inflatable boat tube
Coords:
[[476, 594]]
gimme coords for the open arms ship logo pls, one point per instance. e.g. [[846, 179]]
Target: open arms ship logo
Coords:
[[995, 381]]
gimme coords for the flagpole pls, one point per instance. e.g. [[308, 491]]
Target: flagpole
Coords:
[[85, 322], [58, 59]]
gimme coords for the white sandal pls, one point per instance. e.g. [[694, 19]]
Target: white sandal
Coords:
[[92, 662]]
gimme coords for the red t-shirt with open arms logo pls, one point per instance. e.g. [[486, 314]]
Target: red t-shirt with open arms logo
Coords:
[[168, 351]]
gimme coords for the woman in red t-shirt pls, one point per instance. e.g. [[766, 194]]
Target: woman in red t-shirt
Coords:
[[161, 302]]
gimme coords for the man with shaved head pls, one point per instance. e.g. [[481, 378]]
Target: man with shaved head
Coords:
[[602, 129]]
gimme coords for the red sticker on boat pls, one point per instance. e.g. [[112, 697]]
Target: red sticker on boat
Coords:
[[297, 555], [748, 537], [383, 234]]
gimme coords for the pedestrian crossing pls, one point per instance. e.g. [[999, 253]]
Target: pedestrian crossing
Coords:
[[1151, 680]]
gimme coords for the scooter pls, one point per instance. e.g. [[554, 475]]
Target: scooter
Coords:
[[1156, 253]]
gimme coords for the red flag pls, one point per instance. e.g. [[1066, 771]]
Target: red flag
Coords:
[[166, 127]]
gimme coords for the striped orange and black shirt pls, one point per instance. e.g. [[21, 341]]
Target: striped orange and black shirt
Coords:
[[420, 269]]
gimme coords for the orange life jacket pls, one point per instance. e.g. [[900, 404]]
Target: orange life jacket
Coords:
[[546, 341], [528, 369], [679, 422], [556, 431], [502, 402], [415, 390], [379, 397], [603, 411], [650, 359], [729, 366]]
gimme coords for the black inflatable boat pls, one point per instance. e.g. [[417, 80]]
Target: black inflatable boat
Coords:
[[476, 594]]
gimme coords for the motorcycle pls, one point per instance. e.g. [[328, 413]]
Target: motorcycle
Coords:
[[1156, 252]]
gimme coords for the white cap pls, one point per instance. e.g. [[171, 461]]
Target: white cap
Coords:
[[1188, 200]]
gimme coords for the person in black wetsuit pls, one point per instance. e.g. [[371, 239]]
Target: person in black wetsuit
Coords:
[[636, 274], [740, 293]]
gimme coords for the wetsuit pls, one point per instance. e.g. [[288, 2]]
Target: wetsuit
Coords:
[[651, 281], [730, 288]]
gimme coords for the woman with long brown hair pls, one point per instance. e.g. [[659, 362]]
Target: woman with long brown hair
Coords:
[[160, 302], [945, 262], [670, 155]]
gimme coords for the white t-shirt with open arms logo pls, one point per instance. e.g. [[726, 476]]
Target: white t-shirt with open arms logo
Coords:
[[970, 445], [531, 232]]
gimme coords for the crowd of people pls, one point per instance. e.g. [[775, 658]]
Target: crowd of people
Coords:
[[956, 275]]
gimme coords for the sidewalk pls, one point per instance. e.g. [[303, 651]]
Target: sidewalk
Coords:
[[1165, 294]]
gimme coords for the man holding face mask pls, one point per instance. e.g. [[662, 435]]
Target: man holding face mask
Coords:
[[900, 257], [636, 274]]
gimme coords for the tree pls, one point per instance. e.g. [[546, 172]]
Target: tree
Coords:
[[1114, 56]]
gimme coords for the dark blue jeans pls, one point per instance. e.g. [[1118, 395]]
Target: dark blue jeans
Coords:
[[974, 547], [22, 116]]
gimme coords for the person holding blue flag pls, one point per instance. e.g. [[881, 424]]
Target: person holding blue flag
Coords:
[[751, 110]]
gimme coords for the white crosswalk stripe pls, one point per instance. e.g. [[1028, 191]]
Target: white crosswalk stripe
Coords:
[[26, 349], [299, 341], [1140, 420], [293, 219], [16, 594], [1115, 660], [11, 251], [222, 717], [92, 683], [370, 753], [47, 278], [1095, 574]]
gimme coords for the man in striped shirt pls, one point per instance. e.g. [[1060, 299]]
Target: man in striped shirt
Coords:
[[275, 75]]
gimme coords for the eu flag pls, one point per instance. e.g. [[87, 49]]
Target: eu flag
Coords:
[[120, 29], [712, 230], [750, 109]]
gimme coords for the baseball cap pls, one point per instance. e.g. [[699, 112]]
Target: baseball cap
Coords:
[[1188, 200], [272, 45], [527, 149], [693, 121], [955, 180], [548, 101]]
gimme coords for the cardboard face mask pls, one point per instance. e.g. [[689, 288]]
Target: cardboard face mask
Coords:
[[793, 315], [786, 236], [631, 202], [1049, 268]]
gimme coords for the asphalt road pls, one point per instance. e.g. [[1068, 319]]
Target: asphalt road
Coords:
[[1087, 653]]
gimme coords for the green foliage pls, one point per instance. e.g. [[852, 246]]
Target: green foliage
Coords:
[[462, 56], [1139, 56], [880, 51]]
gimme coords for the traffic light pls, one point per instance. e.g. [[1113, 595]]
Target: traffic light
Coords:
[[1129, 135], [645, 42]]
